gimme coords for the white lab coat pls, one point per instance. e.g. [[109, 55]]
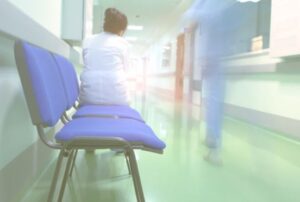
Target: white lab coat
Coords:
[[103, 80]]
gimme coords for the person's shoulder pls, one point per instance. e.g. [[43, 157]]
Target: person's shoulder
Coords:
[[122, 41], [113, 40]]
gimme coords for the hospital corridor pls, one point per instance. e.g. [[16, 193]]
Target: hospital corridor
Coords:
[[156, 101]]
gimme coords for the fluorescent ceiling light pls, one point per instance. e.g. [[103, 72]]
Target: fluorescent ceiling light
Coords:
[[135, 27], [131, 38], [243, 1]]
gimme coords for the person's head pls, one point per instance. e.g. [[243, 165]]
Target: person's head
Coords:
[[114, 21]]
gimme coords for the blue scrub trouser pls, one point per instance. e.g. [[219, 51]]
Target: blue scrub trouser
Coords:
[[214, 96]]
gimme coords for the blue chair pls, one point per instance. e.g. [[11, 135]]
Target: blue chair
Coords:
[[70, 82], [71, 87], [47, 100]]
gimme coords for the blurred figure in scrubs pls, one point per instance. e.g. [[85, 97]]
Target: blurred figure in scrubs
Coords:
[[105, 55], [219, 23]]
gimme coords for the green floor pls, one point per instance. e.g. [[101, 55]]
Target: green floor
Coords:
[[258, 165]]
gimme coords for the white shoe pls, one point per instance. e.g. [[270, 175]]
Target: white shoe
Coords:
[[213, 156]]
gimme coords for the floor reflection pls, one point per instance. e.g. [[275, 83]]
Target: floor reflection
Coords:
[[258, 166]]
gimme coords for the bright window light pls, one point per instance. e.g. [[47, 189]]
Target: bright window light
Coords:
[[135, 27]]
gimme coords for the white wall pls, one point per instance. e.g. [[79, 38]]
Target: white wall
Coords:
[[22, 157], [45, 12], [274, 93]]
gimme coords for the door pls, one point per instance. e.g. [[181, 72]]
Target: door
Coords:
[[179, 68]]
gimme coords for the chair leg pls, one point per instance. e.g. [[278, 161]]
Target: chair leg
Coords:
[[73, 162], [136, 176], [55, 176], [127, 162], [66, 175]]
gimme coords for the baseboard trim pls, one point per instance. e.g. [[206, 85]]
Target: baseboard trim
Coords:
[[284, 125]]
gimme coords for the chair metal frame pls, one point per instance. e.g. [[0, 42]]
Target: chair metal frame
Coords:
[[65, 118], [69, 149]]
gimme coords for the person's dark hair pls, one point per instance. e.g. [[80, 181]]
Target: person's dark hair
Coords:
[[114, 21]]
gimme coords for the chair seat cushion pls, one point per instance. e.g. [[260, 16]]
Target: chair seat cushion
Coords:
[[107, 110], [128, 129]]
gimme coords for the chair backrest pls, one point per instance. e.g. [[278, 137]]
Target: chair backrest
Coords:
[[42, 83], [69, 78]]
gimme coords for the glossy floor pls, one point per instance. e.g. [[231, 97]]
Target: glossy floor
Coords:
[[258, 165]]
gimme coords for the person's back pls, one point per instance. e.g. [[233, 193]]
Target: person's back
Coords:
[[103, 80]]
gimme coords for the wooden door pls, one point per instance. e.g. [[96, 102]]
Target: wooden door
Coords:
[[179, 68]]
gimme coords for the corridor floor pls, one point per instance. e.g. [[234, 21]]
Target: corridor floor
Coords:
[[258, 165]]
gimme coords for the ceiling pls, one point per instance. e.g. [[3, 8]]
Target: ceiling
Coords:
[[156, 16]]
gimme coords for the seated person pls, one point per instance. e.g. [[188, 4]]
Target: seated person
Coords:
[[105, 55]]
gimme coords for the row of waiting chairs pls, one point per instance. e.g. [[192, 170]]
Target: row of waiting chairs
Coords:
[[51, 89]]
